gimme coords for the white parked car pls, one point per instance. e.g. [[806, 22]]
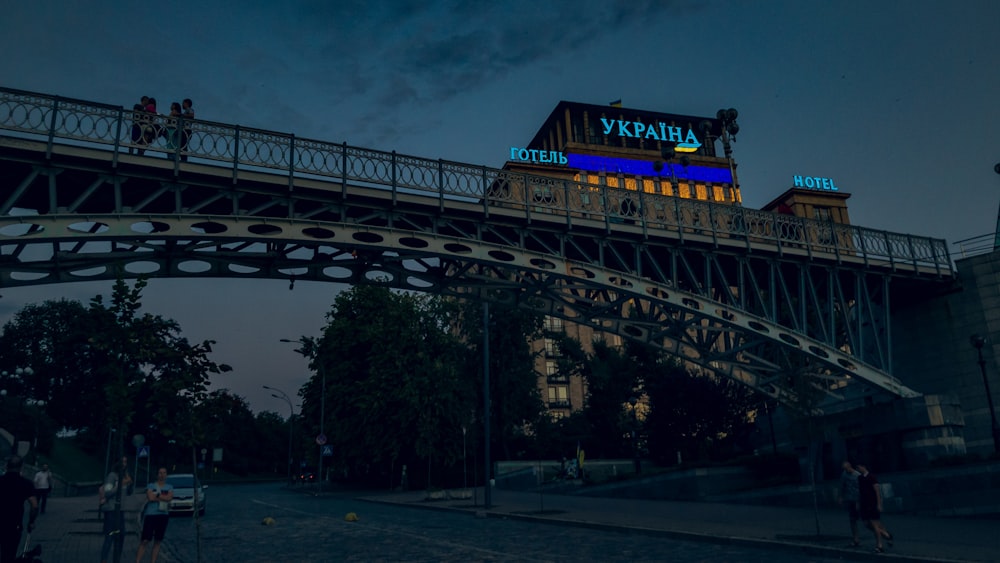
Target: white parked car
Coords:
[[184, 485]]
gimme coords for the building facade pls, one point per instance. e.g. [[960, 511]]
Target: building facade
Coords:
[[683, 156]]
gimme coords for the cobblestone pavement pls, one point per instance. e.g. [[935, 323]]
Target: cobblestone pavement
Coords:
[[313, 529], [402, 527]]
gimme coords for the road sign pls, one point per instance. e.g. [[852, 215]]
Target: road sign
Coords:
[[142, 451], [321, 439], [327, 450]]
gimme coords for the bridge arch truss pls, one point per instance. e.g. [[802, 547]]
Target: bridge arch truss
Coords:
[[753, 296]]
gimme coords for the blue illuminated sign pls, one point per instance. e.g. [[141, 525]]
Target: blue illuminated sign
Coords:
[[658, 131], [814, 183], [593, 163], [537, 156]]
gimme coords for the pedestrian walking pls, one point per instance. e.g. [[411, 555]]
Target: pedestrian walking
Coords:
[[112, 510], [43, 486], [848, 498], [870, 506], [156, 514], [14, 491]]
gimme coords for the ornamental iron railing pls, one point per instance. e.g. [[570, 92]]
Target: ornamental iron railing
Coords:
[[78, 122]]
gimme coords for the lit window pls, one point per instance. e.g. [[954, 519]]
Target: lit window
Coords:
[[701, 192], [550, 368], [718, 194], [553, 324], [558, 393]]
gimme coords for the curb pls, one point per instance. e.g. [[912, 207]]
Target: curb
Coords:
[[784, 545]]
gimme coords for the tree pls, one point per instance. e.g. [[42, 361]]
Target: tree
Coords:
[[516, 402], [700, 415], [612, 379], [148, 366], [51, 338], [395, 387]]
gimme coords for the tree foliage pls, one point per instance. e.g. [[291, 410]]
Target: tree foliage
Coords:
[[701, 415], [395, 388], [516, 402]]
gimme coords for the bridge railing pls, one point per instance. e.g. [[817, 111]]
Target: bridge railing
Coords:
[[79, 122]]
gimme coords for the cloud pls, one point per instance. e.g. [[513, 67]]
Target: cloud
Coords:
[[407, 55]]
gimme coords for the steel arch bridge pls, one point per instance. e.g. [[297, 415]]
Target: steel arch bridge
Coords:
[[772, 301]]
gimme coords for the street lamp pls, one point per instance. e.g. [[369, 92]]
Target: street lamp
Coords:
[[978, 342], [311, 349], [291, 417], [635, 438], [996, 233], [465, 472]]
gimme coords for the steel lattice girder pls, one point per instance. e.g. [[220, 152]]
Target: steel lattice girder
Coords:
[[698, 329], [845, 304]]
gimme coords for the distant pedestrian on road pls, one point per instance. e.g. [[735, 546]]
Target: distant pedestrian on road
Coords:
[[14, 491], [112, 512], [43, 486], [870, 506], [156, 514], [848, 498]]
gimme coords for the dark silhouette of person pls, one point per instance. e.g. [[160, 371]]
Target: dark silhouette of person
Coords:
[[113, 513], [187, 111], [870, 506], [43, 486], [14, 491], [848, 498], [139, 120], [172, 134]]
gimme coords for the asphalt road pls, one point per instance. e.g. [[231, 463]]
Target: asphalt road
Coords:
[[313, 529]]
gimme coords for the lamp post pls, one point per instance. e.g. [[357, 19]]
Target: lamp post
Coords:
[[996, 234], [291, 417], [635, 438], [465, 472], [978, 342], [729, 130], [310, 349]]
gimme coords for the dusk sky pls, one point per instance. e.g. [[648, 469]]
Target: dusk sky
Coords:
[[894, 100]]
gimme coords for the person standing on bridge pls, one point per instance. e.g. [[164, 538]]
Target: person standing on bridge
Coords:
[[187, 107], [138, 124], [173, 135]]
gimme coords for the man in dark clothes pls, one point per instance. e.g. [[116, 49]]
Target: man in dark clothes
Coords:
[[870, 506], [14, 490]]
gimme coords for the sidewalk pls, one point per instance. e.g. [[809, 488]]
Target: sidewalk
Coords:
[[70, 530], [917, 538]]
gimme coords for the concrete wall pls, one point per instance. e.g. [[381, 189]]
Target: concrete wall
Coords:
[[931, 349]]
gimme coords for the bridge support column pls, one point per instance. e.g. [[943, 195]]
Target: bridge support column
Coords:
[[901, 434]]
